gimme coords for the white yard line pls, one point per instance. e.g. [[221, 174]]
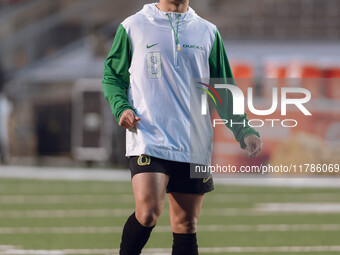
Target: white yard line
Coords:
[[263, 209], [299, 207], [166, 229], [271, 249], [98, 213], [65, 213], [60, 252], [128, 198], [270, 227], [24, 188], [270, 209], [64, 173], [272, 181], [242, 198], [167, 251], [6, 247], [66, 199]]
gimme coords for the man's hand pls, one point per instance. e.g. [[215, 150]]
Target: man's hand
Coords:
[[128, 119], [254, 145]]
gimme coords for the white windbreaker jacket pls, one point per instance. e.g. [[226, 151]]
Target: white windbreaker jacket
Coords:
[[150, 68]]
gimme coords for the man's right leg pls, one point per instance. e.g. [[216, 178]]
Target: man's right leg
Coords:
[[149, 192]]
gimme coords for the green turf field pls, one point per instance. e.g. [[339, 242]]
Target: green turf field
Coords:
[[68, 217]]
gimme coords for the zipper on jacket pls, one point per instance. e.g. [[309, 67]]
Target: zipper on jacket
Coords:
[[177, 45], [175, 52]]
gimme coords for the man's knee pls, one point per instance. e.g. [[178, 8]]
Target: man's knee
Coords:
[[185, 225], [148, 217]]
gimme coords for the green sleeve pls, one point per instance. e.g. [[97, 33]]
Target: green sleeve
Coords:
[[220, 68], [116, 77]]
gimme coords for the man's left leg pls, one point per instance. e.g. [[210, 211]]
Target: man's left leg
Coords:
[[184, 212]]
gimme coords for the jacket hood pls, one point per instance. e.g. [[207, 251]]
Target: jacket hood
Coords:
[[154, 14]]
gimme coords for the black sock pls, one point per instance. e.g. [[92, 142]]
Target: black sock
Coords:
[[185, 244], [134, 237]]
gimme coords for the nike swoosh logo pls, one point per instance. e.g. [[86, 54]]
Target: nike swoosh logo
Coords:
[[148, 47], [206, 179]]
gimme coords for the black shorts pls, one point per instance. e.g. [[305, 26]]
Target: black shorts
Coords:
[[178, 172]]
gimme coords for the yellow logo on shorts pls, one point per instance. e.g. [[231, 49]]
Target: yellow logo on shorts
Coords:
[[205, 180], [144, 160]]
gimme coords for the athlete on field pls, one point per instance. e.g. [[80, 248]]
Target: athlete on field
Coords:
[[147, 75]]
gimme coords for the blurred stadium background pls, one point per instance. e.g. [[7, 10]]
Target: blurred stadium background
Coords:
[[52, 56], [54, 122]]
